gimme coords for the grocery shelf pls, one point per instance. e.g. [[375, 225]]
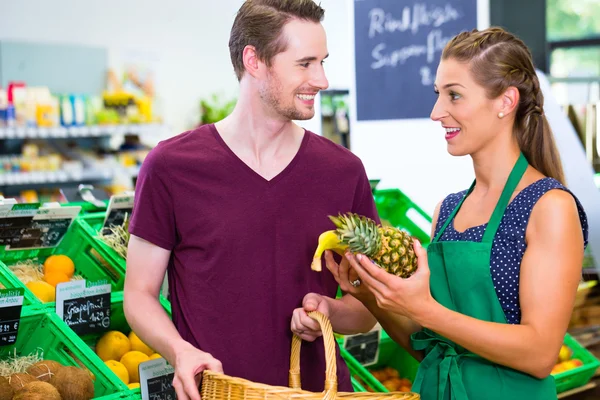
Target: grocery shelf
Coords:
[[54, 177], [80, 131]]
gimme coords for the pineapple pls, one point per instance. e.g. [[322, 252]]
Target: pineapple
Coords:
[[389, 247]]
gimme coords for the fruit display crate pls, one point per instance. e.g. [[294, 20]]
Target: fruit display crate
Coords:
[[397, 209], [391, 355], [576, 376], [42, 332], [393, 368], [90, 260], [92, 224], [118, 323]]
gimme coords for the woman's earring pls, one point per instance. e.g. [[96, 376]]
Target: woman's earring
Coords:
[[500, 114]]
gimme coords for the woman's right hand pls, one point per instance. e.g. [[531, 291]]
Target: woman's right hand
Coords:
[[189, 364], [345, 276]]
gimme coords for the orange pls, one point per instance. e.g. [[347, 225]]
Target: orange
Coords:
[[119, 370], [155, 356], [133, 385], [42, 290], [55, 277], [59, 263], [112, 345], [132, 360], [137, 344]]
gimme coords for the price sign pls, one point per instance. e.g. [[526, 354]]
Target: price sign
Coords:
[[84, 308], [156, 380], [11, 302]]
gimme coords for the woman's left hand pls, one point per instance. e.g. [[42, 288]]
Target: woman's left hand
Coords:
[[410, 297]]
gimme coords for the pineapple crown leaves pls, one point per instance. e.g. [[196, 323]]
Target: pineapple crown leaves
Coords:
[[359, 233]]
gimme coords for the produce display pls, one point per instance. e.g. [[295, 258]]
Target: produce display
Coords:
[[390, 379], [389, 247], [41, 279], [123, 355], [34, 378], [117, 237], [565, 361]]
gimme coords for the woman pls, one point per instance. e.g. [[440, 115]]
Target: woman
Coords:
[[489, 305]]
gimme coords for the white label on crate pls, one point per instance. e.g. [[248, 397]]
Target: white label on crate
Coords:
[[156, 380], [83, 306], [119, 208]]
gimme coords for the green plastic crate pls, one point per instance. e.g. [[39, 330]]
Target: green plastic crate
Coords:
[[393, 355], [400, 211], [91, 261], [40, 330], [581, 375], [119, 323], [87, 207], [92, 224], [390, 355]]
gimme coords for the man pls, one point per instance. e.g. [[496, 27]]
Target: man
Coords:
[[233, 211]]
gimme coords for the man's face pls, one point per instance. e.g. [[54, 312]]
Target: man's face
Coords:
[[297, 75]]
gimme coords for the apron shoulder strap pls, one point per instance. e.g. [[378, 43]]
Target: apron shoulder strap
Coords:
[[453, 213], [511, 184]]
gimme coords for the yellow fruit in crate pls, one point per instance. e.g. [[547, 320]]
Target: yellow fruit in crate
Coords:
[[132, 360], [137, 344], [59, 263], [53, 278], [564, 354], [119, 370], [155, 356], [42, 290], [135, 385], [112, 346]]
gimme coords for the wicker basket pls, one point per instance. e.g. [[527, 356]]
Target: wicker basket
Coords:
[[217, 386]]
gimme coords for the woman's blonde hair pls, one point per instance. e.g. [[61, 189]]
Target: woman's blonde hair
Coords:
[[499, 60]]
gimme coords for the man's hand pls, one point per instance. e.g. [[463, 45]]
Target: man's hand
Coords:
[[304, 326], [189, 364]]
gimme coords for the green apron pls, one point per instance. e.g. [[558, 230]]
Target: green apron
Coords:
[[461, 281]]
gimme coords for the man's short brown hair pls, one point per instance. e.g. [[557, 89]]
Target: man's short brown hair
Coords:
[[259, 23]]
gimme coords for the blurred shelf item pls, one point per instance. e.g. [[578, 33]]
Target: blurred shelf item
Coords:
[[81, 131], [43, 178]]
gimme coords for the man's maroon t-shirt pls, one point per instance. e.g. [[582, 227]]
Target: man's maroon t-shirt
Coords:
[[242, 246]]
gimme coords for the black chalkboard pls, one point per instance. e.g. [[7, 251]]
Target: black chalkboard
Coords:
[[398, 44], [364, 348], [87, 314], [11, 302], [161, 387]]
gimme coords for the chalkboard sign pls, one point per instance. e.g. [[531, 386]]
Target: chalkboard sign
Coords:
[[364, 347], [156, 380], [29, 226], [84, 309], [398, 44], [11, 302], [120, 208]]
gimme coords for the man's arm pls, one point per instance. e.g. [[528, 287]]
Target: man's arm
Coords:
[[146, 267]]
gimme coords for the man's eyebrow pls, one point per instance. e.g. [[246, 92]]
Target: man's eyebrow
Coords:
[[308, 59]]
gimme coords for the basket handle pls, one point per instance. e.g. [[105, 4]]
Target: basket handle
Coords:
[[330, 357]]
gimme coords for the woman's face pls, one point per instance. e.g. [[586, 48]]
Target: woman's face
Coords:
[[469, 118]]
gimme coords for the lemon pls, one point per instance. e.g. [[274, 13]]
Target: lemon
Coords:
[[138, 345], [132, 360], [42, 290], [112, 345], [119, 370]]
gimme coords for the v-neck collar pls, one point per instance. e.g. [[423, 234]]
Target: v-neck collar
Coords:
[[252, 172]]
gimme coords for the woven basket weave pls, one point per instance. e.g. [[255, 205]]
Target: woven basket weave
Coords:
[[217, 386]]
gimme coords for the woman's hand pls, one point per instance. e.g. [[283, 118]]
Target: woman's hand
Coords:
[[347, 278], [410, 297]]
